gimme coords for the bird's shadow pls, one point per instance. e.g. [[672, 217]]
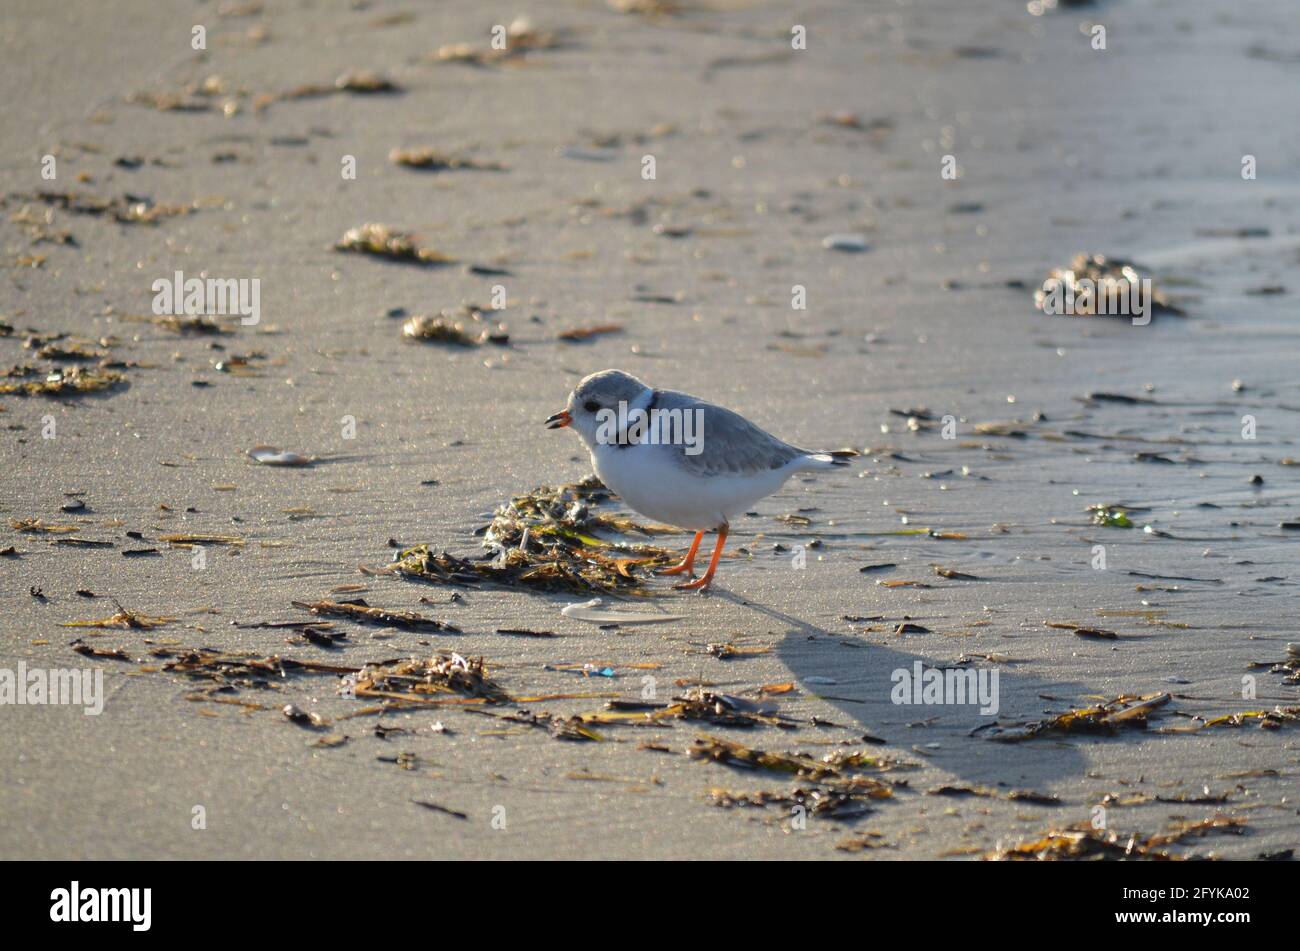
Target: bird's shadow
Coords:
[[859, 680]]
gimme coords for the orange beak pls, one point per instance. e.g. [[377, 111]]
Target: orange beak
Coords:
[[559, 420]]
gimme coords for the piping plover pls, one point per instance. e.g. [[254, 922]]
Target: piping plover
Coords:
[[678, 459]]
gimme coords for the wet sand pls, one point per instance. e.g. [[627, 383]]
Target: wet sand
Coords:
[[1134, 151]]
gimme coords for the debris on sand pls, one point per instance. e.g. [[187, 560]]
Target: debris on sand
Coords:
[[123, 619], [67, 350], [39, 226], [422, 680], [1290, 666], [652, 10], [62, 381], [330, 640], [877, 130], [444, 328], [1095, 284], [228, 670], [882, 566], [382, 241], [567, 728], [524, 632], [431, 160], [295, 714], [721, 709], [1111, 516], [171, 101], [407, 680], [270, 456], [240, 364], [953, 575], [1082, 842], [578, 334], [726, 650], [1267, 719], [565, 512], [434, 807], [1095, 632], [987, 792], [1011, 428], [549, 540], [36, 526], [423, 563], [1092, 632], [125, 209], [1122, 399], [212, 93], [184, 325], [1185, 828], [361, 82], [1104, 718], [564, 566], [199, 539], [521, 38], [697, 704], [358, 610], [850, 243], [832, 766], [863, 842], [101, 653], [820, 803]]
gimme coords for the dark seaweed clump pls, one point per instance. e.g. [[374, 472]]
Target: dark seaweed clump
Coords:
[[550, 539]]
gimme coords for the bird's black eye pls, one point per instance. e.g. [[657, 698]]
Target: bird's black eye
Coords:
[[591, 406]]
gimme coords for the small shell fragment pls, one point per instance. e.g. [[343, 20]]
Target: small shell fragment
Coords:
[[590, 611], [384, 242], [301, 717], [852, 243], [440, 329], [270, 456]]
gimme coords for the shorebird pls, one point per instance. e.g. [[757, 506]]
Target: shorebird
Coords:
[[679, 459]]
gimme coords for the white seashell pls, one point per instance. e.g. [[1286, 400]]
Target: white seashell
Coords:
[[270, 456], [589, 611]]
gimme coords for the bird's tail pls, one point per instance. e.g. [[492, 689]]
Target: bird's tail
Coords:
[[829, 460]]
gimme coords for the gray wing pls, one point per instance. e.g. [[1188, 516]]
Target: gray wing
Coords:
[[728, 443]]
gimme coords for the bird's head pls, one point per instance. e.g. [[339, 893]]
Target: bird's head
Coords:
[[594, 395]]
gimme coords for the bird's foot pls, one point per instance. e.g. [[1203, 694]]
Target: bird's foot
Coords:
[[699, 584], [685, 568]]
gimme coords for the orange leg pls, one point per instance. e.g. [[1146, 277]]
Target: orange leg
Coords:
[[704, 582], [687, 567]]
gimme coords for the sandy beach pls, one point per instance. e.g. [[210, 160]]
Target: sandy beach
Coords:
[[971, 545]]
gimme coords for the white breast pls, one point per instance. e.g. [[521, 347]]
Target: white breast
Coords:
[[653, 483]]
